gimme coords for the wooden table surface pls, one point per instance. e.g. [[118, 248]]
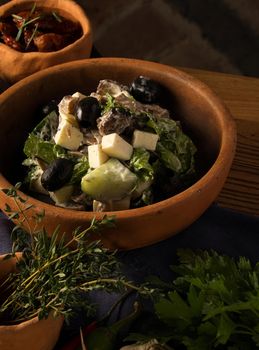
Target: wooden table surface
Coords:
[[241, 96]]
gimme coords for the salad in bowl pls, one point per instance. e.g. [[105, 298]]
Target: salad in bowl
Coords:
[[117, 148]]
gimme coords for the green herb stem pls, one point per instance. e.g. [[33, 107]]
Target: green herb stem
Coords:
[[22, 211], [56, 16], [109, 281], [32, 36], [32, 277], [24, 25]]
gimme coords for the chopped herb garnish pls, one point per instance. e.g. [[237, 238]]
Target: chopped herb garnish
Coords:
[[55, 15], [33, 9], [32, 36], [25, 24], [17, 17]]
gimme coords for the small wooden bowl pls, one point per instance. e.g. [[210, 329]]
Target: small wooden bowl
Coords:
[[15, 65], [203, 116], [33, 334]]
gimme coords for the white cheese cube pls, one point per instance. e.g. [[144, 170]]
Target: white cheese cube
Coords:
[[144, 139], [116, 147], [96, 156], [62, 195], [69, 118], [68, 136]]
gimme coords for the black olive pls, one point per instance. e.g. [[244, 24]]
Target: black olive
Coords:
[[57, 174], [49, 107], [87, 111], [146, 90]]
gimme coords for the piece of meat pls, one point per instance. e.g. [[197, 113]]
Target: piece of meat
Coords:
[[55, 31], [8, 33], [49, 42], [155, 110], [127, 102], [115, 121], [91, 137], [123, 98], [28, 35], [22, 16], [138, 108], [11, 42], [110, 87]]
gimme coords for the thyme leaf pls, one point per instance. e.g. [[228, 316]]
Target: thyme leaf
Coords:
[[56, 274]]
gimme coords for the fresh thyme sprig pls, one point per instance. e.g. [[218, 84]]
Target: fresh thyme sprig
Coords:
[[56, 16], [32, 36], [25, 23], [54, 275]]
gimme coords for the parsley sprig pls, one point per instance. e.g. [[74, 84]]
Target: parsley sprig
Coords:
[[213, 303]]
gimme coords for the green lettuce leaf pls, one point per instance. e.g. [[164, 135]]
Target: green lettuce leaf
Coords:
[[169, 158], [163, 126], [47, 127], [175, 148], [80, 169], [139, 164], [35, 147]]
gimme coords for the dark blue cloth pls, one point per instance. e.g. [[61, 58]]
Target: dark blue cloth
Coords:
[[226, 231]]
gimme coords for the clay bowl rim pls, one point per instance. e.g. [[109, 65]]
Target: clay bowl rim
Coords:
[[5, 10], [224, 157]]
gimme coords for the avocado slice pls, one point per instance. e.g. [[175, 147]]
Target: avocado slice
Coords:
[[110, 181]]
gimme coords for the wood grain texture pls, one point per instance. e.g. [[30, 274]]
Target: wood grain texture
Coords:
[[241, 96]]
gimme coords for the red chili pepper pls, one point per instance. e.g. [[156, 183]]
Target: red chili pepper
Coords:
[[75, 342]]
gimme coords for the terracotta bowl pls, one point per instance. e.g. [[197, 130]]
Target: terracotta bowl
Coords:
[[203, 117], [33, 334], [15, 65]]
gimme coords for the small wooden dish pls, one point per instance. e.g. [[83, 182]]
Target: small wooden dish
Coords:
[[15, 65], [32, 334]]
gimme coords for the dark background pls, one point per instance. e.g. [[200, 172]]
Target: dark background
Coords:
[[218, 35]]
